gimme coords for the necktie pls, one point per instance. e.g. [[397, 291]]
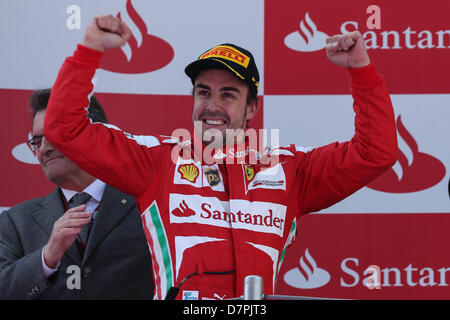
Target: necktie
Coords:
[[77, 200]]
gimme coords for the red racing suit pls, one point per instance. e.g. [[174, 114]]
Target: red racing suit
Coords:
[[216, 223]]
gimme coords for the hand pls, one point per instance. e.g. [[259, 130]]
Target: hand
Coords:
[[348, 50], [64, 233], [106, 32]]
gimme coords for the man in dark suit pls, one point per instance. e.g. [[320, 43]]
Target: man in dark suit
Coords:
[[44, 254]]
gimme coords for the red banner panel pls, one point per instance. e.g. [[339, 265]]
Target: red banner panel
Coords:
[[369, 256], [134, 113], [408, 43]]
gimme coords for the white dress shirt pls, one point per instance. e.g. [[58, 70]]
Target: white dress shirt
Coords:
[[95, 190]]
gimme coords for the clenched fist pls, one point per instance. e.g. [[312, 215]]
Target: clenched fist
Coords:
[[348, 50], [106, 32]]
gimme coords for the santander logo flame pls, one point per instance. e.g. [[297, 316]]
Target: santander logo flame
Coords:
[[307, 38], [308, 276], [142, 53], [413, 171], [183, 210]]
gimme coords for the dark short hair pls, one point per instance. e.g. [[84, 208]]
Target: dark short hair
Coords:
[[39, 100]]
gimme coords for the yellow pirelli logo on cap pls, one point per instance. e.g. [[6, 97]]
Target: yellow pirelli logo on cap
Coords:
[[228, 53]]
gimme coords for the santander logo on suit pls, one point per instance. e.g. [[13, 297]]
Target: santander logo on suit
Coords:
[[256, 216]]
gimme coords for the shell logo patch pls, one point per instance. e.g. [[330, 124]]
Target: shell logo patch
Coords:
[[189, 172]]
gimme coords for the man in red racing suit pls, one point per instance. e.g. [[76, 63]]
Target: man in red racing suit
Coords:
[[209, 224]]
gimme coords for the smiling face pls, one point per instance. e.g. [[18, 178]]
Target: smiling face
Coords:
[[57, 168], [220, 102]]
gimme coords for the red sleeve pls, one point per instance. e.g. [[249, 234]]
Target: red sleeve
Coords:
[[331, 173], [120, 159]]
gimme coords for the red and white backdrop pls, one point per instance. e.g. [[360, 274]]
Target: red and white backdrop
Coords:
[[389, 240]]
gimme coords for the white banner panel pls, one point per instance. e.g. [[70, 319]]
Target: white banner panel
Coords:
[[43, 33]]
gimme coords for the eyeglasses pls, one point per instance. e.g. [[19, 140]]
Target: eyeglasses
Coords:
[[35, 142]]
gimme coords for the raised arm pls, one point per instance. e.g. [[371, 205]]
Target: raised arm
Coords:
[[120, 159], [331, 173]]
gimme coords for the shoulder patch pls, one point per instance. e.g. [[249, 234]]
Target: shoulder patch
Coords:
[[280, 150], [303, 149]]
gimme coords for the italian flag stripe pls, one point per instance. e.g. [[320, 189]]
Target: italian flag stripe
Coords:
[[289, 240], [160, 249]]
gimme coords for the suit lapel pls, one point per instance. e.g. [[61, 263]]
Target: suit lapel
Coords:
[[114, 205], [52, 209]]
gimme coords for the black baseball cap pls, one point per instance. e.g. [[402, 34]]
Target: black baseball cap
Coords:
[[237, 60]]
